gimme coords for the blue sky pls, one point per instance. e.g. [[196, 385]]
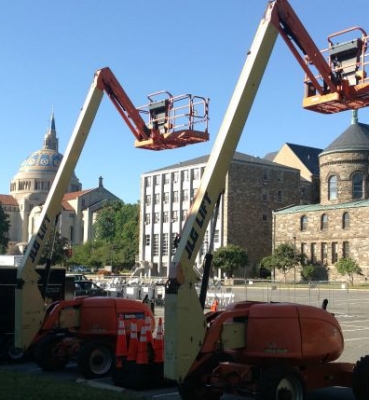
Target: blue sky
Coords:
[[50, 51]]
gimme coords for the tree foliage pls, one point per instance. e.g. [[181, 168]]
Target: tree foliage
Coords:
[[230, 258], [312, 272], [116, 238], [284, 258], [4, 230], [56, 248], [349, 267]]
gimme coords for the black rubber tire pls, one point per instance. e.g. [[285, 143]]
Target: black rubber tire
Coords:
[[360, 379], [280, 383], [11, 354], [45, 354], [95, 359]]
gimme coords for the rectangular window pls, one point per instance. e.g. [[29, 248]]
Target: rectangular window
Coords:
[[175, 196], [156, 218], [147, 218], [216, 236], [184, 215], [165, 244], [157, 198], [196, 174], [324, 254], [147, 240], [148, 200], [265, 175], [185, 195], [346, 250], [166, 198], [185, 176], [174, 216], [279, 196], [165, 216], [173, 241], [157, 179], [304, 249], [148, 181], [313, 252], [166, 179], [155, 250], [175, 177], [334, 252]]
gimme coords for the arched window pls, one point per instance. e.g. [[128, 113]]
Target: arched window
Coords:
[[357, 185], [332, 188], [303, 223], [345, 220], [324, 222]]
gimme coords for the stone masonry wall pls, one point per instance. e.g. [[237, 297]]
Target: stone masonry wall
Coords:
[[253, 192]]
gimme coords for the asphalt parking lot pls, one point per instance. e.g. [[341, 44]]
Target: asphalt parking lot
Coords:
[[350, 307]]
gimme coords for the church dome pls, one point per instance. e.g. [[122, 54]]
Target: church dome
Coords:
[[48, 158], [42, 160], [37, 172]]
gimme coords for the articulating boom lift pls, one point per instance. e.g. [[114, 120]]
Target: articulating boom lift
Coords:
[[171, 124], [196, 344]]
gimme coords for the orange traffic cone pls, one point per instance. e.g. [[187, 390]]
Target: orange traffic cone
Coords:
[[133, 343], [142, 353], [121, 346], [159, 343], [149, 337], [214, 306]]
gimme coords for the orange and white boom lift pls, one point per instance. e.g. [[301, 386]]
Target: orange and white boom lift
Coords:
[[172, 121], [333, 84]]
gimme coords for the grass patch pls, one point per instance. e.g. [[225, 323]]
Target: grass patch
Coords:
[[16, 385]]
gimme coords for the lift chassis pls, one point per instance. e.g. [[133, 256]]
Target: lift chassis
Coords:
[[173, 121]]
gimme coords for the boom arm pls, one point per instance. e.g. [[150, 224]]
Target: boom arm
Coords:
[[30, 306], [185, 325]]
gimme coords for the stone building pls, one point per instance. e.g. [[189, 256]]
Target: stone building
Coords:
[[306, 160], [253, 188], [30, 187], [337, 226]]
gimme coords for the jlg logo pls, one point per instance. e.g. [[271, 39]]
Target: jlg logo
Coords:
[[200, 219], [40, 235]]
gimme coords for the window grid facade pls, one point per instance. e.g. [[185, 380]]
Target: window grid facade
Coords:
[[166, 204]]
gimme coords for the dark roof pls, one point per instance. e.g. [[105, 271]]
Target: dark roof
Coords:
[[355, 137], [240, 157], [309, 156]]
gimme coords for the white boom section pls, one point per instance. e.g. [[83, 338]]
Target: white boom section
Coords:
[[185, 325], [29, 305]]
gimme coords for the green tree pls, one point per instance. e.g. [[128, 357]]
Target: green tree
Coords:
[[116, 238], [349, 267], [4, 230], [93, 254], [56, 249], [284, 258], [230, 258], [308, 272]]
